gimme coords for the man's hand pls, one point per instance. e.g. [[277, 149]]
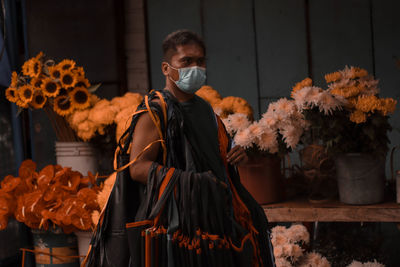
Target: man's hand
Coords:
[[237, 156]]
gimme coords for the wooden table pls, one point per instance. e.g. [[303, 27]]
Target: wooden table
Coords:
[[301, 210]]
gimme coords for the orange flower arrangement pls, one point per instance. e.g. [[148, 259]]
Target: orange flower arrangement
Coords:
[[54, 196], [57, 88], [227, 105]]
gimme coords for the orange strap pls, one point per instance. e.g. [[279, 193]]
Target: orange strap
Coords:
[[139, 223]]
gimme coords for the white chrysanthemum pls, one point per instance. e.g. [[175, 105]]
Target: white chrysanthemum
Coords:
[[306, 97], [314, 259], [238, 121], [279, 240], [278, 230], [278, 251], [291, 135], [297, 252], [285, 106], [327, 103], [366, 264], [267, 140], [244, 138], [298, 233], [268, 120], [281, 262]]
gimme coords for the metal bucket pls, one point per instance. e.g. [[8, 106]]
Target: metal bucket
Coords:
[[361, 178], [62, 247], [80, 156]]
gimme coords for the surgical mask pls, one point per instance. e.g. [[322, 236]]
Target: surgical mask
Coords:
[[190, 79]]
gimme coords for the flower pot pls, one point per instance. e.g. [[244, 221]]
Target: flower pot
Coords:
[[80, 156], [361, 178], [61, 246], [83, 238], [262, 177]]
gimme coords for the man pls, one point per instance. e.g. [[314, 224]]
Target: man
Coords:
[[192, 209]]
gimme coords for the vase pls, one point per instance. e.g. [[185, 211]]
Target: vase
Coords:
[[61, 247], [80, 156], [83, 238], [263, 178], [361, 178]]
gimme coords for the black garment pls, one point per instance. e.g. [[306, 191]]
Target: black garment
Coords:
[[199, 201]]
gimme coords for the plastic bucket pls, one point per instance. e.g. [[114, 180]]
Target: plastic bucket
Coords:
[[361, 179], [262, 177], [84, 238], [60, 245], [80, 156]]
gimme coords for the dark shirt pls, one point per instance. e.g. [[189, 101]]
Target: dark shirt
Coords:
[[200, 123]]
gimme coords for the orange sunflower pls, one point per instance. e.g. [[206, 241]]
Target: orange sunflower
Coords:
[[39, 99], [50, 87], [14, 79], [82, 82], [63, 105], [66, 64], [68, 79], [80, 98], [25, 93], [79, 71], [33, 66], [37, 82], [11, 94], [55, 72]]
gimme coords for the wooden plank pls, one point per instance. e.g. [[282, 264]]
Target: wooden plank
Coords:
[[387, 59], [164, 17], [303, 211], [340, 35], [281, 45], [230, 40]]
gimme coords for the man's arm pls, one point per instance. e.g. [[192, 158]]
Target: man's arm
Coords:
[[145, 133]]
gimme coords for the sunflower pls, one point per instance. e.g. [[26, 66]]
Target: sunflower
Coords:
[[50, 87], [80, 98], [37, 82], [79, 71], [55, 72], [66, 64], [21, 103], [39, 99], [35, 67], [63, 105], [82, 82], [11, 94], [14, 79], [68, 79], [25, 93]]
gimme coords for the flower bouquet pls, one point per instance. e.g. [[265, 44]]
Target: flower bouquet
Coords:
[[350, 122], [52, 197]]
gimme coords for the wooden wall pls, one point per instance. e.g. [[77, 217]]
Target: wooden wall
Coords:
[[259, 49]]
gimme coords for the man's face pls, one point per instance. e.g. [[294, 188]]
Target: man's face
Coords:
[[188, 55]]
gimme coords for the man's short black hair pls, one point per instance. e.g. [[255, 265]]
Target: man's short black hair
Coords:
[[180, 37]]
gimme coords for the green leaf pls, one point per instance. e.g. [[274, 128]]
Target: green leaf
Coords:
[[94, 88]]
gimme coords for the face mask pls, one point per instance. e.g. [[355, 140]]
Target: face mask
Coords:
[[190, 79]]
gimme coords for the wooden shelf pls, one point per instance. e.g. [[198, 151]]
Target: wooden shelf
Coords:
[[301, 210]]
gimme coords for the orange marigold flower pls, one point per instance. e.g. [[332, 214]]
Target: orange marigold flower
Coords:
[[357, 72], [209, 94], [50, 87], [304, 83], [358, 116], [80, 98], [346, 92], [387, 106], [333, 77], [25, 93], [62, 105], [66, 64], [367, 103], [12, 95]]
